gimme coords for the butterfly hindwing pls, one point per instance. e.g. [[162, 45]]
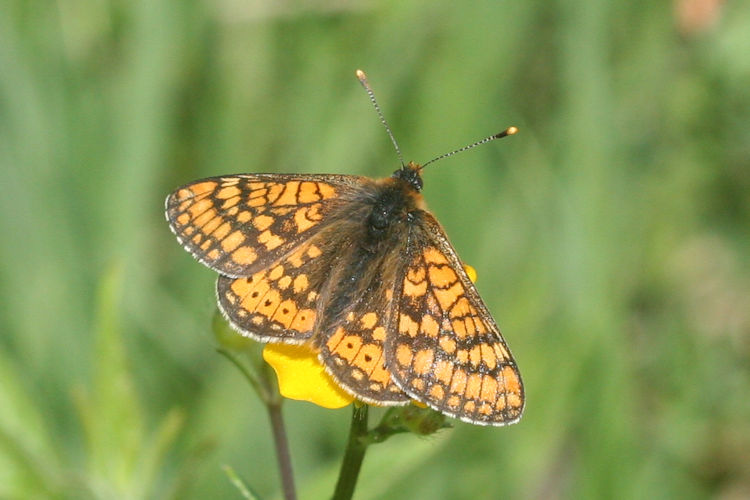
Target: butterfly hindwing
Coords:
[[281, 301], [358, 312], [445, 349], [240, 224], [354, 356]]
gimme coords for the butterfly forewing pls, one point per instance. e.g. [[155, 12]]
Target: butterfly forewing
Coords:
[[445, 349], [238, 225]]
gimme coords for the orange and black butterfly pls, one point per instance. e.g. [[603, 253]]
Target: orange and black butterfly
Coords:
[[360, 271]]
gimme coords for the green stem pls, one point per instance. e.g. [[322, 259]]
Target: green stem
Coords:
[[355, 453], [262, 391], [282, 451]]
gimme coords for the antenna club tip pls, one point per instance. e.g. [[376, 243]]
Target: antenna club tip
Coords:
[[505, 133], [360, 75]]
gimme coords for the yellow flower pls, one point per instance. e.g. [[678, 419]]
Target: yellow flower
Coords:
[[471, 272], [302, 377]]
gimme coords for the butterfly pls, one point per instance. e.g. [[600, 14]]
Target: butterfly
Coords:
[[360, 271]]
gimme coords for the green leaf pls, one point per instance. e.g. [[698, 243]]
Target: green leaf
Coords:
[[111, 413], [237, 481], [28, 462]]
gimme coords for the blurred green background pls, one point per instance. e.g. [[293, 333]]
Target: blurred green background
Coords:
[[611, 235]]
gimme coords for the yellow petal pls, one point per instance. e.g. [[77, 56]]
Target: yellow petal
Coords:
[[302, 377], [471, 272]]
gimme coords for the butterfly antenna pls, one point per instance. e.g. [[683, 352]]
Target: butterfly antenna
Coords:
[[508, 131], [363, 80]]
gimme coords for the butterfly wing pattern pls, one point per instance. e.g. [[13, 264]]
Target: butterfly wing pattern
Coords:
[[278, 303], [445, 349], [240, 224], [358, 270]]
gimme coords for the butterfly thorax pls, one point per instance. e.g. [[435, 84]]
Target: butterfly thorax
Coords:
[[396, 202]]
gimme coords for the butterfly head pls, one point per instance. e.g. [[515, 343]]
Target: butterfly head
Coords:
[[409, 173]]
